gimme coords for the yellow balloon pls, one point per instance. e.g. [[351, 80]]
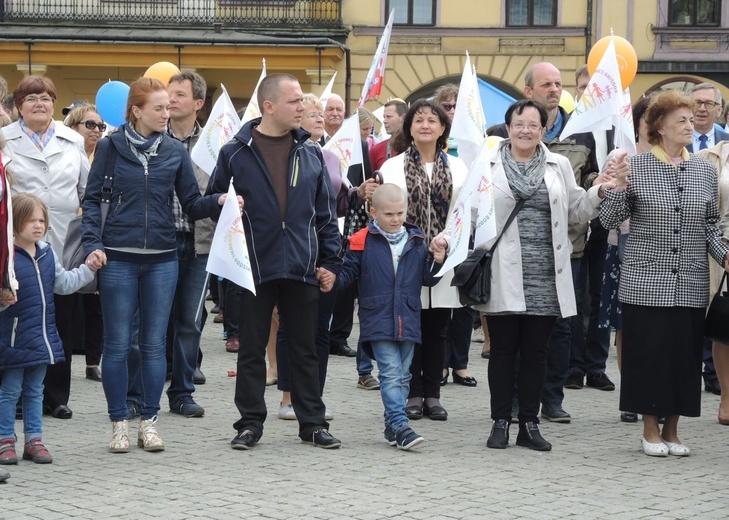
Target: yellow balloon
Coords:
[[493, 141], [162, 71], [567, 102], [624, 52]]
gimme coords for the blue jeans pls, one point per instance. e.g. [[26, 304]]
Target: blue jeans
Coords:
[[127, 287], [393, 361], [364, 362], [28, 382], [187, 315]]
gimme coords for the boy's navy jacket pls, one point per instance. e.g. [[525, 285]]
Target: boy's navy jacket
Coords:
[[28, 334], [389, 305], [307, 237], [140, 214]]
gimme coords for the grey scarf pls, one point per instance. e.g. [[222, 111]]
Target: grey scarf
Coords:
[[527, 181]]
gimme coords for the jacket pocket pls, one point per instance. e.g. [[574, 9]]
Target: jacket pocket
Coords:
[[116, 203], [414, 303], [373, 302], [14, 332]]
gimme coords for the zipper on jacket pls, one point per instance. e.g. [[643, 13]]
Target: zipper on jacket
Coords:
[[14, 332], [43, 317], [146, 203]]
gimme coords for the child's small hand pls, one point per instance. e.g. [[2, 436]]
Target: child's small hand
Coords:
[[326, 279], [96, 260], [439, 256], [439, 243], [7, 297]]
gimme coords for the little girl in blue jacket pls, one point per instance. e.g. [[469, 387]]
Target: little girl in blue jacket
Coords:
[[390, 260], [29, 341]]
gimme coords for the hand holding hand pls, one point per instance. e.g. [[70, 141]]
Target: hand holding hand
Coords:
[[96, 260], [326, 279], [439, 243], [7, 297]]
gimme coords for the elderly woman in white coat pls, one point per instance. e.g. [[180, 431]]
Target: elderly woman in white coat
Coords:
[[431, 181], [531, 278], [48, 160]]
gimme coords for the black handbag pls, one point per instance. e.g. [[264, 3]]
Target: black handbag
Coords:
[[716, 324], [473, 275], [74, 255]]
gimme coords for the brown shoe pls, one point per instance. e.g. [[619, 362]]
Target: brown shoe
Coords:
[[232, 345], [218, 318]]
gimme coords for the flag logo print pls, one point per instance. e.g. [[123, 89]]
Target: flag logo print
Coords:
[[236, 241]]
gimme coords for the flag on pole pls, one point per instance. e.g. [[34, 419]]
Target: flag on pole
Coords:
[[376, 75], [601, 103], [327, 91], [229, 251], [469, 121], [624, 130], [484, 197], [253, 110], [222, 125], [347, 144]]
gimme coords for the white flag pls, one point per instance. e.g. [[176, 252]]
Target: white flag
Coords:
[[376, 75], [624, 129], [222, 125], [253, 110], [229, 251], [327, 91], [601, 103], [469, 121], [347, 144], [484, 197]]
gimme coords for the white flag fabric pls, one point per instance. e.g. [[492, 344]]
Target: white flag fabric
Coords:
[[222, 125], [253, 110], [327, 91], [469, 121], [624, 129], [376, 75], [601, 103], [484, 197], [347, 144], [229, 251]]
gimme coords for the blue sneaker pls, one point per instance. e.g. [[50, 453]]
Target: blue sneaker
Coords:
[[407, 439], [389, 436], [186, 405]]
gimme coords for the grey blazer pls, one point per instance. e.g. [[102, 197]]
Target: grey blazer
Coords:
[[673, 215]]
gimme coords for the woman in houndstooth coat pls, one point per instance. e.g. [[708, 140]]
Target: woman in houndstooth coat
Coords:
[[664, 287]]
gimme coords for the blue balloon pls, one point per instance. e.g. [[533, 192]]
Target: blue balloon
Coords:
[[111, 102]]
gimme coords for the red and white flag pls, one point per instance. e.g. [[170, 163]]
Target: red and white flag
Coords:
[[376, 75]]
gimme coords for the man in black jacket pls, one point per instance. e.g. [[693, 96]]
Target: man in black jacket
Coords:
[[291, 229]]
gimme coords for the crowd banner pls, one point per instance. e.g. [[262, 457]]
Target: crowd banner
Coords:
[[253, 110], [222, 125], [347, 144], [376, 75], [327, 91], [469, 122]]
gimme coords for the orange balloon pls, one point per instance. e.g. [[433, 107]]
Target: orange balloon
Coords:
[[162, 71], [625, 53]]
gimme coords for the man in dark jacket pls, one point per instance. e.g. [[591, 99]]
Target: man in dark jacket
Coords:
[[291, 228]]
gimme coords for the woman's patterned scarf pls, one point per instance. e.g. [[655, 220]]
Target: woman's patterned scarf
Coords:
[[143, 147], [428, 202], [40, 139], [525, 183]]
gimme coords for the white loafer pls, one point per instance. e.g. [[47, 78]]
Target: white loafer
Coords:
[[654, 449], [678, 450]]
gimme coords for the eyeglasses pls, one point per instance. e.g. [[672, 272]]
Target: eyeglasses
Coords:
[[33, 100], [91, 125], [532, 127], [709, 104], [448, 106]]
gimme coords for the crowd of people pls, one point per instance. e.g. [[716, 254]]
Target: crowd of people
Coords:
[[594, 242]]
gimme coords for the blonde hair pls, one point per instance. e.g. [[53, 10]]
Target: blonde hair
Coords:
[[23, 206], [310, 100], [76, 115]]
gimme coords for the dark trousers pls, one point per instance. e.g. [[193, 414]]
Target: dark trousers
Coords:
[[343, 316], [93, 328], [298, 305], [231, 313], [57, 383], [528, 336], [427, 365], [459, 338], [326, 304]]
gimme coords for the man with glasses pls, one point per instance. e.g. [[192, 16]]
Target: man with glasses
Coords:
[[707, 111]]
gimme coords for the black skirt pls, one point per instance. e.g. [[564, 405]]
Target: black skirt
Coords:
[[662, 355]]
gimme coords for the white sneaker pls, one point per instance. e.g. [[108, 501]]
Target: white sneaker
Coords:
[[119, 437], [148, 438], [477, 336], [328, 415], [287, 413]]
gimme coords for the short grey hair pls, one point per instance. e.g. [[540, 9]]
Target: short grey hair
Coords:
[[707, 86]]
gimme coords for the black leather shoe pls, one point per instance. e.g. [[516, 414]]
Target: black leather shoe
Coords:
[[59, 412], [530, 437], [321, 438], [436, 413], [245, 440], [93, 373], [499, 438], [198, 377], [414, 412], [344, 350], [465, 381], [444, 379], [712, 386]]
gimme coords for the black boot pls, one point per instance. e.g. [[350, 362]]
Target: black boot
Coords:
[[499, 437], [530, 437]]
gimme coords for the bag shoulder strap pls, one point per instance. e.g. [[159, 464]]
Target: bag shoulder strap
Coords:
[[511, 218], [106, 187]]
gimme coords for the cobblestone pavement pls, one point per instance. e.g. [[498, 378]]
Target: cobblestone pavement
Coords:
[[596, 469]]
